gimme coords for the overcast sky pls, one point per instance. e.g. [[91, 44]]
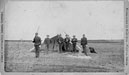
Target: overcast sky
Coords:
[[96, 19]]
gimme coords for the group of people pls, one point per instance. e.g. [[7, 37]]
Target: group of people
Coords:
[[62, 42]]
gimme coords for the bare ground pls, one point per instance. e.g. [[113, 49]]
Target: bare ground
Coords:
[[110, 58]]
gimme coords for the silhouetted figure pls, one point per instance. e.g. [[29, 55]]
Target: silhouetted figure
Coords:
[[74, 42], [84, 43], [47, 42], [37, 43], [67, 42], [60, 41]]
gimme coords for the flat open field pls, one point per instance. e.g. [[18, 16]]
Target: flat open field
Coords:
[[109, 58]]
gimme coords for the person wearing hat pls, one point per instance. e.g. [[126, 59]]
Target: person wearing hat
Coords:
[[47, 42], [74, 42], [67, 41], [84, 43], [37, 43], [60, 41]]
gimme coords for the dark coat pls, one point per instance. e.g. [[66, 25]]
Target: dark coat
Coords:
[[74, 40], [37, 40], [84, 41], [47, 41], [67, 40], [60, 40]]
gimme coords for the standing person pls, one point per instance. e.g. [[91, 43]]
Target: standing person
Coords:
[[37, 42], [84, 43], [74, 42], [67, 41], [47, 42], [60, 41]]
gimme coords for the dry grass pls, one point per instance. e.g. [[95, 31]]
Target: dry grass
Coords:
[[110, 58]]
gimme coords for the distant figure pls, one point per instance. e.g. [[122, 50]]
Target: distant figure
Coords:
[[37, 42], [67, 42], [47, 42], [84, 43], [74, 42], [60, 41]]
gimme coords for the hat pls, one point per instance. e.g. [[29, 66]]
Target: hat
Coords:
[[66, 35], [47, 35], [36, 33]]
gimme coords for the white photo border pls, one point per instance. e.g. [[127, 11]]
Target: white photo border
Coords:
[[126, 44]]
